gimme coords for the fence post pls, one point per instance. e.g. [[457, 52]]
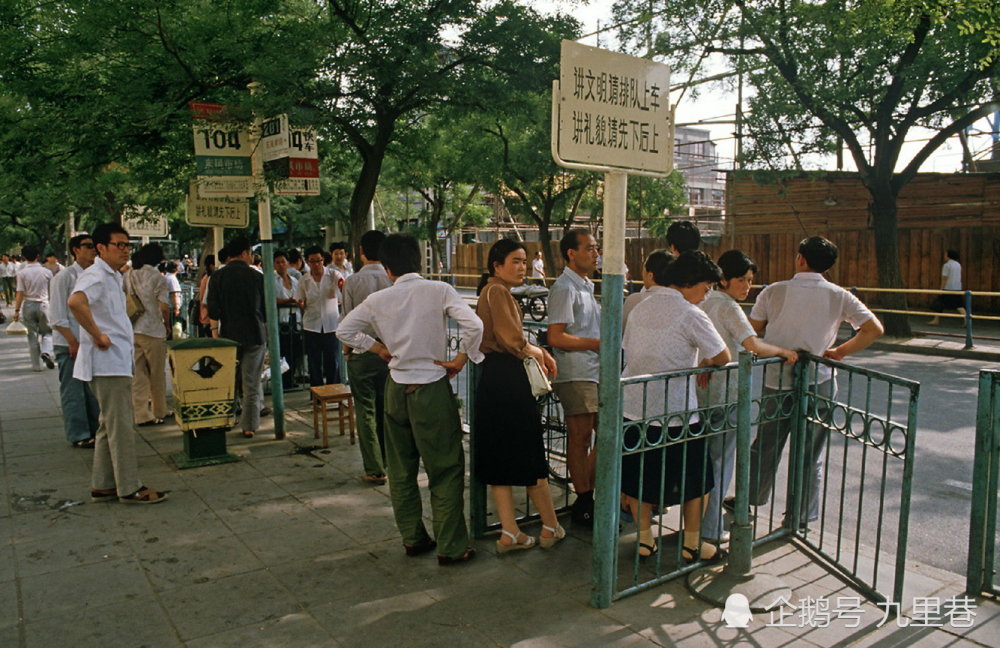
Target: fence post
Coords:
[[968, 319], [982, 521], [714, 584]]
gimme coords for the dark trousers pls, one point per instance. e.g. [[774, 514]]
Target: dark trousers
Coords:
[[321, 353]]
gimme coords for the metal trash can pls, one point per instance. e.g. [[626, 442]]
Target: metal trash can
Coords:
[[203, 378]]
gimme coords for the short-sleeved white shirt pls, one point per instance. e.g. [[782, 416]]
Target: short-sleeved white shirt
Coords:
[[33, 280], [803, 314], [537, 269], [571, 302], [321, 313], [281, 292], [952, 269], [665, 332], [733, 326], [103, 287], [631, 302], [59, 315]]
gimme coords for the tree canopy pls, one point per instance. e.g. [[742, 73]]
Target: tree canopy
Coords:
[[862, 74]]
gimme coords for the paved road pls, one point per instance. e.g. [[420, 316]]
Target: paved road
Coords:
[[942, 481]]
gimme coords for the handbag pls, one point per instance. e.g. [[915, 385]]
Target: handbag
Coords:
[[134, 307], [539, 382]]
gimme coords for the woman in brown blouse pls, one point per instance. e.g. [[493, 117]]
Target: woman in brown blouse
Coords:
[[508, 440]]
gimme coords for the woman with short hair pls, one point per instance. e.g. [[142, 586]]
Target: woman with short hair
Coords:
[[508, 441], [668, 332]]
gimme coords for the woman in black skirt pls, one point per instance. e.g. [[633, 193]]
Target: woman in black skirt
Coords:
[[667, 332], [508, 440]]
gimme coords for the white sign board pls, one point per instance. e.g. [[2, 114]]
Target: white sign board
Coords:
[[222, 152], [141, 222], [614, 110], [203, 212], [274, 138]]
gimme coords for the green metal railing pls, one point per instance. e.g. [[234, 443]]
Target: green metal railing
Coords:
[[983, 521], [860, 514]]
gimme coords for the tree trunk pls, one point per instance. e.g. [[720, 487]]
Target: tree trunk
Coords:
[[362, 196], [883, 212]]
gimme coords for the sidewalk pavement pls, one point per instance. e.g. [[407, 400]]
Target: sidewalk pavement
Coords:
[[288, 548]]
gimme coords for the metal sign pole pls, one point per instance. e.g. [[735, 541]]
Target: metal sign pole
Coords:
[[609, 414]]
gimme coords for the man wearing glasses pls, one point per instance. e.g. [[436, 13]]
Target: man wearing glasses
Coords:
[[104, 360], [79, 406]]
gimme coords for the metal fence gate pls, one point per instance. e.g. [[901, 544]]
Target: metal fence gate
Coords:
[[853, 437], [981, 571]]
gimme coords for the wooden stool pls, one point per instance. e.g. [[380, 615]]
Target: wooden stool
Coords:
[[341, 396]]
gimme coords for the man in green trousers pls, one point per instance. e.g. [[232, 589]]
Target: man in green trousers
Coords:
[[367, 370], [405, 324]]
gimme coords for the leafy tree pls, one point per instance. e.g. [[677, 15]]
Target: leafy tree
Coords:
[[864, 73]]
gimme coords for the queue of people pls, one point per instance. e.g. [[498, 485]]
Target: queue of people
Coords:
[[110, 333]]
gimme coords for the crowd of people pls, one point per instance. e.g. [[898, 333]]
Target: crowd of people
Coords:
[[111, 315]]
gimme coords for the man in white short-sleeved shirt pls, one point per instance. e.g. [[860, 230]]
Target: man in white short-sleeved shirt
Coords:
[[33, 294], [105, 361], [574, 333], [951, 280], [804, 313], [317, 294]]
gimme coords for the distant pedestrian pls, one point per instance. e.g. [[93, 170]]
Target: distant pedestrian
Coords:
[[538, 268], [8, 277], [173, 289], [80, 410], [52, 263], [296, 267], [33, 295], [204, 326], [405, 325], [317, 296], [105, 361], [951, 280], [236, 309], [367, 370], [149, 387], [289, 332]]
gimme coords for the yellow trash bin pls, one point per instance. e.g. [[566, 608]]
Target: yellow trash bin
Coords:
[[203, 378]]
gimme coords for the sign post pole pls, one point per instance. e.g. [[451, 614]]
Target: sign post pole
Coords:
[[270, 297], [609, 414]]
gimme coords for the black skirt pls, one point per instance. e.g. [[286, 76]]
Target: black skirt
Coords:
[[666, 463], [508, 437]]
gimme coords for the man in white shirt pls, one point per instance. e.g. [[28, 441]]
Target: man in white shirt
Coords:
[[173, 290], [367, 370], [317, 296], [538, 268], [8, 275], [52, 263], [575, 335], [80, 409], [339, 262], [421, 413], [951, 280], [33, 294], [803, 313], [105, 361]]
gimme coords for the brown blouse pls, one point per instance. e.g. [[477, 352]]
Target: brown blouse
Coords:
[[502, 332]]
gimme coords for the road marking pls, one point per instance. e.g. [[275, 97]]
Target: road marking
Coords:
[[958, 484]]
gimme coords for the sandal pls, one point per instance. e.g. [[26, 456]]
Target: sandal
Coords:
[[144, 496], [469, 554], [86, 444], [649, 548], [515, 545], [247, 434], [155, 421], [103, 494], [421, 548], [374, 480], [692, 556], [558, 534]]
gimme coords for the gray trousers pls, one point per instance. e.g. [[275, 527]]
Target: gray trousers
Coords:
[[35, 317], [722, 453], [765, 453], [81, 413], [251, 359], [115, 463]]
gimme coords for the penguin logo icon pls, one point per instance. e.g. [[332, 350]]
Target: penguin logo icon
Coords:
[[737, 612]]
